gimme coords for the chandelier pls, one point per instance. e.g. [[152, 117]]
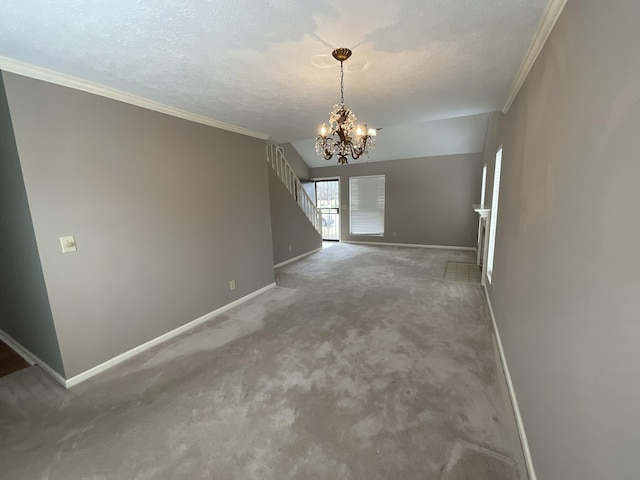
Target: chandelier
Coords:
[[343, 137]]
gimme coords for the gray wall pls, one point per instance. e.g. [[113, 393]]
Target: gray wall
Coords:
[[566, 288], [24, 306], [296, 162], [427, 200], [165, 212], [289, 224]]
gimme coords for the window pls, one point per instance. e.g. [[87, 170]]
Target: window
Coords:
[[366, 201], [484, 184], [494, 213]]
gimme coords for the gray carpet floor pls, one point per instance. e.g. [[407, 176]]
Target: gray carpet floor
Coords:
[[364, 363]]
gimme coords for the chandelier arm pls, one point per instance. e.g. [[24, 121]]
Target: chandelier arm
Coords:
[[328, 148], [356, 152]]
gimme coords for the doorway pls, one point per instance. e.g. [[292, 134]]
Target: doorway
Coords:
[[328, 202], [10, 361]]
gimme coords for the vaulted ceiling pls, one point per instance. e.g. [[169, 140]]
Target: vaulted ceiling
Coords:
[[426, 71]]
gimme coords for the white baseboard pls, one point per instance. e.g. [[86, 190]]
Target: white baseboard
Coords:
[[295, 259], [31, 358], [81, 377], [413, 245], [516, 410]]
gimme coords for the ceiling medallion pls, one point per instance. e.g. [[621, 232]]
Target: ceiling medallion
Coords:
[[343, 137]]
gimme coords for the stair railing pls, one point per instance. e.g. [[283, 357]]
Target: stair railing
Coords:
[[275, 158]]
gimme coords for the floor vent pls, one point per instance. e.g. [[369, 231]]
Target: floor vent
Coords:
[[462, 273]]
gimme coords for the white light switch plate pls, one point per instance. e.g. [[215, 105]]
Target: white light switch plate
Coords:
[[68, 244]]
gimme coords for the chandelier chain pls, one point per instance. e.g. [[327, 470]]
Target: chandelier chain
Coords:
[[341, 84]]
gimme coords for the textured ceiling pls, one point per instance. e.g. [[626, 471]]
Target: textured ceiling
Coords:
[[266, 65]]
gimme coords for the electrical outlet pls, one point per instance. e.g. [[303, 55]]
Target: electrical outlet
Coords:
[[289, 247], [394, 234], [232, 284], [68, 244]]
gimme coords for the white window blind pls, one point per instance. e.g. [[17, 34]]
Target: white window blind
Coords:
[[366, 205]]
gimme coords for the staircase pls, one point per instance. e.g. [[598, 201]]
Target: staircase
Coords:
[[275, 158]]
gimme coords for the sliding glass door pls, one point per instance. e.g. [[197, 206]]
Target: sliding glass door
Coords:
[[328, 201]]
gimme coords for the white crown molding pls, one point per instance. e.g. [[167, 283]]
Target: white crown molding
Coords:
[[551, 14], [39, 73]]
